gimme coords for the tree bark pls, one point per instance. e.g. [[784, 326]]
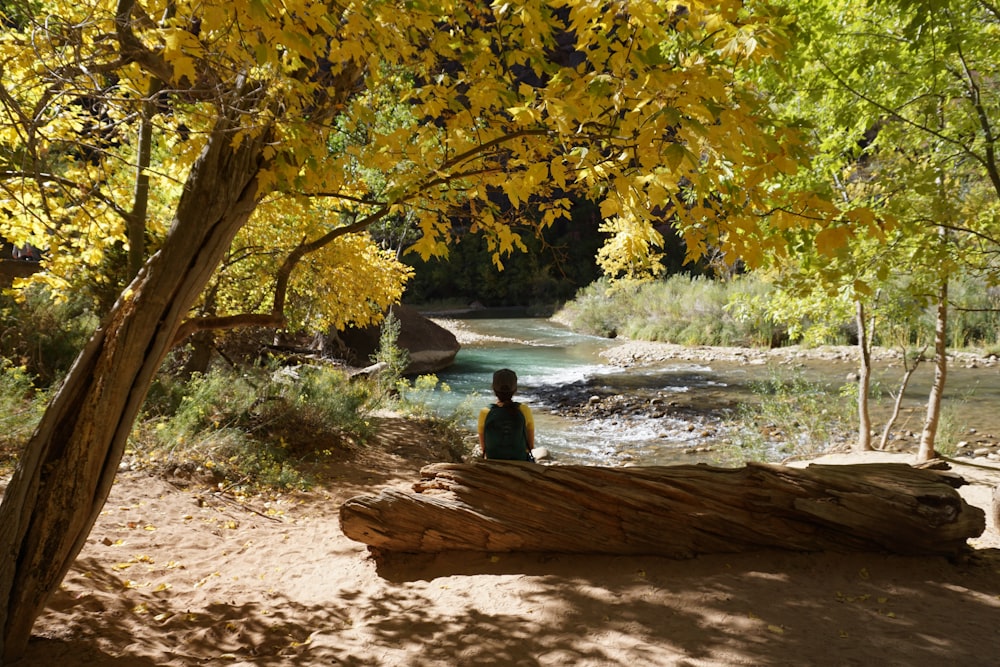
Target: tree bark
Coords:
[[198, 362], [136, 221], [929, 434], [864, 443], [675, 511], [64, 477]]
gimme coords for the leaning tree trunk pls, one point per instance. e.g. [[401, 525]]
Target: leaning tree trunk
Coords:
[[927, 436], [674, 511], [64, 477]]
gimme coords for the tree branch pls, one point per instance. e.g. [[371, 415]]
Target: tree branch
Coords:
[[132, 47], [492, 143], [306, 247], [975, 97], [73, 185], [196, 324], [899, 116], [991, 8], [972, 232]]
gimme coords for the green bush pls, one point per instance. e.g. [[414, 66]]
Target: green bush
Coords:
[[791, 418], [42, 334], [974, 318], [393, 359], [680, 309], [21, 406], [598, 309], [705, 311], [252, 428]]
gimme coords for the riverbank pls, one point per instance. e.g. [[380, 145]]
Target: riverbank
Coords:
[[176, 574], [626, 353], [637, 352], [979, 440], [465, 335]]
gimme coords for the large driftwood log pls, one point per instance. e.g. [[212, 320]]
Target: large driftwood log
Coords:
[[675, 511]]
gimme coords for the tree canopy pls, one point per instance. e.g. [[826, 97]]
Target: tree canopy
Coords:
[[902, 100], [381, 110]]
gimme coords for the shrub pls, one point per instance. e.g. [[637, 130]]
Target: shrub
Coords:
[[680, 309], [741, 311], [598, 309], [974, 320], [791, 418], [43, 335], [254, 428], [393, 358], [21, 406]]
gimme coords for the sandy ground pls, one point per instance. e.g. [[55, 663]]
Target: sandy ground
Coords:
[[178, 574]]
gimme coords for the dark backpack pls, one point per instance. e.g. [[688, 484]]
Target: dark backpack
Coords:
[[505, 433]]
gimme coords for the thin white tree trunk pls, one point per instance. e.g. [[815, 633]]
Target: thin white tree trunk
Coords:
[[929, 433], [896, 406], [864, 443]]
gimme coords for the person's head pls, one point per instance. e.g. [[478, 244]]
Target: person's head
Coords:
[[504, 384]]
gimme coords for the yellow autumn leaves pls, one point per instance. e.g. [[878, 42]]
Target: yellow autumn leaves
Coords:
[[418, 112], [350, 281]]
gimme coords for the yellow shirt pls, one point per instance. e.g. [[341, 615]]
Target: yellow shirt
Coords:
[[529, 426]]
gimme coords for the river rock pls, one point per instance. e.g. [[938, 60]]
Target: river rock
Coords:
[[431, 347]]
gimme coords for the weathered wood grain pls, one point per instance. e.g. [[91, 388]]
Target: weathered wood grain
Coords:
[[675, 511]]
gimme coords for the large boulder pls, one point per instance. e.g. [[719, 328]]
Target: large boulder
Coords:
[[16, 268], [431, 347]]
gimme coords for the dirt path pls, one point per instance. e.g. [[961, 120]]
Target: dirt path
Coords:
[[175, 575]]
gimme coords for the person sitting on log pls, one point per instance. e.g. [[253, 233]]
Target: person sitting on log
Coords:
[[506, 428]]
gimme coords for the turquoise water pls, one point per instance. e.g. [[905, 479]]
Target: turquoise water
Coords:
[[539, 352], [549, 357]]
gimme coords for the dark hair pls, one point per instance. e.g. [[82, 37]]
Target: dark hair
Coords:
[[504, 382]]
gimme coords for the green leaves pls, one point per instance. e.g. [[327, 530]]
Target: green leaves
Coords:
[[901, 98]]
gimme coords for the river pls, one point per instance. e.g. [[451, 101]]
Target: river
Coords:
[[673, 411]]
